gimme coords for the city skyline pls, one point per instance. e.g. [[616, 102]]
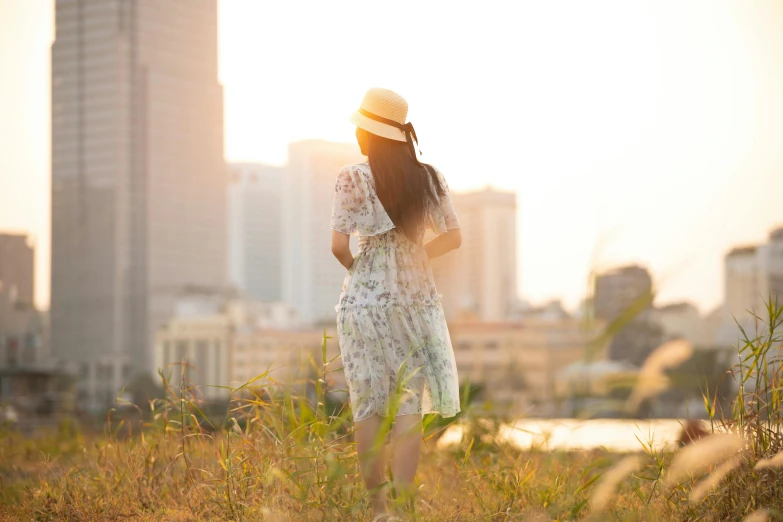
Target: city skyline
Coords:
[[660, 151]]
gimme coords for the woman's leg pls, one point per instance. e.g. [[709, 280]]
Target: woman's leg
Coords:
[[371, 448], [406, 445]]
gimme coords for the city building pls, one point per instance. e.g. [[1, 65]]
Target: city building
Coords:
[[679, 321], [32, 392], [715, 326], [35, 395], [196, 344], [312, 277], [706, 333], [22, 327], [255, 247], [552, 310], [225, 341], [625, 296], [745, 283], [479, 279], [617, 290], [518, 361], [138, 179], [753, 276], [282, 356], [265, 316], [775, 264]]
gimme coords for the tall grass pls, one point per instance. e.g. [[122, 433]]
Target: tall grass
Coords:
[[288, 453], [741, 460], [757, 416], [275, 453]]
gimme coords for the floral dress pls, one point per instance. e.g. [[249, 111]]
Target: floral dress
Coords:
[[395, 346]]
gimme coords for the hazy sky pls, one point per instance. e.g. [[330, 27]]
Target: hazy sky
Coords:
[[632, 131]]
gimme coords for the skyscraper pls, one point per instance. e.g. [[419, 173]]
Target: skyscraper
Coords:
[[312, 277], [138, 177], [255, 230], [479, 279]]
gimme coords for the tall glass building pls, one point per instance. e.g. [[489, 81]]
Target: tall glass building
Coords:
[[138, 178]]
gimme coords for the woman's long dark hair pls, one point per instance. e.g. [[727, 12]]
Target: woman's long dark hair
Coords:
[[407, 189]]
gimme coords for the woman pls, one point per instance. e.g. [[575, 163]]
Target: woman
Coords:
[[395, 347]]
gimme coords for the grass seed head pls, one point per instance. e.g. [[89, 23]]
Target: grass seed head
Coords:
[[699, 456], [760, 515], [652, 379], [606, 488], [705, 486], [775, 461]]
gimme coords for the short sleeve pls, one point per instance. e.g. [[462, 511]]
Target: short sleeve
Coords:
[[356, 209], [443, 217]]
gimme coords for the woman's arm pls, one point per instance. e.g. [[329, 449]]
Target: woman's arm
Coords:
[[444, 243], [341, 248]]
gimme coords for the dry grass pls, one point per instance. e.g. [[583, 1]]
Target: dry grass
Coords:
[[606, 489], [126, 478], [285, 457]]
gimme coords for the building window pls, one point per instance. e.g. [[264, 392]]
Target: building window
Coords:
[[219, 354], [491, 345], [104, 371], [463, 346], [11, 351], [181, 351], [201, 359]]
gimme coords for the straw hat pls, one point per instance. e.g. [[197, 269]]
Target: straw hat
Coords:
[[383, 112], [386, 104]]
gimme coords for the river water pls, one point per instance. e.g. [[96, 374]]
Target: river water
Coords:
[[618, 435]]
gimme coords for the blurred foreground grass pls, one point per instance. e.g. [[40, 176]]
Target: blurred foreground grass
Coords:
[[283, 457], [259, 477]]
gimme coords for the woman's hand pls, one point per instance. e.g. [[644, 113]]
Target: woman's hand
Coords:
[[444, 243], [341, 248]]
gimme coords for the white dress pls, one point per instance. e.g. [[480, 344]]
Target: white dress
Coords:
[[390, 319]]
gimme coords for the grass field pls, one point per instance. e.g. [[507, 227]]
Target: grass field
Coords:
[[288, 458]]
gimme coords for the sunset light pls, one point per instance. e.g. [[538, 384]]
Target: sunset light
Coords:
[[384, 261]]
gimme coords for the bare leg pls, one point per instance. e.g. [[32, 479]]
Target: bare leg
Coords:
[[372, 460], [406, 452]]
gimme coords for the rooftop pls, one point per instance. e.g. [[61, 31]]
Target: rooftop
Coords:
[[742, 251], [675, 307], [626, 269]]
